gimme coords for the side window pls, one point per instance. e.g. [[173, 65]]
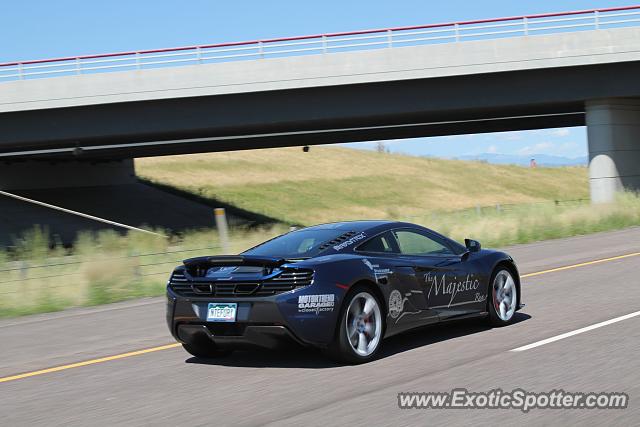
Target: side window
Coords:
[[412, 243], [383, 243]]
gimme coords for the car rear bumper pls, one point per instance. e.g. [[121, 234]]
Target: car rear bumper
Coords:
[[259, 322], [266, 336]]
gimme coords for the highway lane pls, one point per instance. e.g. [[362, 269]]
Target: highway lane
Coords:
[[79, 334], [167, 387], [35, 342], [600, 360]]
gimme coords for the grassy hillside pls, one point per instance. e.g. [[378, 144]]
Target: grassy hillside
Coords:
[[328, 184], [323, 185]]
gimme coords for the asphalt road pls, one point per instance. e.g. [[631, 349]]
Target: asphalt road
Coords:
[[300, 387]]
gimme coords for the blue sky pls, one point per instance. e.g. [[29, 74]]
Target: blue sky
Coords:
[[43, 29], [560, 142]]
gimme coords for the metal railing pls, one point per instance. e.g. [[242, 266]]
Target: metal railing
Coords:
[[326, 43]]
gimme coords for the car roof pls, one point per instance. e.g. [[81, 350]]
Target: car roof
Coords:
[[358, 226], [371, 228]]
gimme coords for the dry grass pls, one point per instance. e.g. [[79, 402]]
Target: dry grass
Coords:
[[102, 268], [330, 184], [528, 223], [108, 267], [324, 185]]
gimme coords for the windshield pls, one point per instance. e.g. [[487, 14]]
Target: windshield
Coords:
[[297, 244]]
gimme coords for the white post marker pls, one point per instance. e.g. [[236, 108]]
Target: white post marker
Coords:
[[223, 230], [577, 331]]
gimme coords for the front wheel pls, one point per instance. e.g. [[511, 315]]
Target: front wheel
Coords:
[[503, 300], [361, 328]]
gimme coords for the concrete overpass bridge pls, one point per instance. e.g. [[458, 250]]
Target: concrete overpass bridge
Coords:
[[80, 120]]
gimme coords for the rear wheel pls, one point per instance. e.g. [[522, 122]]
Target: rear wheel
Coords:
[[205, 350], [503, 298], [361, 328]]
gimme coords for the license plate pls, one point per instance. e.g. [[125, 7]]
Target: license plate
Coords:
[[222, 312]]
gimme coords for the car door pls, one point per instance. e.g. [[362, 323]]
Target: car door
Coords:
[[397, 278], [450, 286]]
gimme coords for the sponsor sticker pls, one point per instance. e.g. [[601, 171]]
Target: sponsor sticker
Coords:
[[378, 272], [396, 303], [350, 241], [440, 286], [316, 303]]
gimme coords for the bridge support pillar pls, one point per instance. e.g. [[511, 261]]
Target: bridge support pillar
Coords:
[[41, 174], [613, 131]]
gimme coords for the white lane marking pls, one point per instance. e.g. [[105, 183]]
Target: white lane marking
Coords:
[[576, 332]]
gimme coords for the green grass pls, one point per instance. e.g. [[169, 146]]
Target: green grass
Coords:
[[529, 223], [108, 267], [326, 184], [102, 268]]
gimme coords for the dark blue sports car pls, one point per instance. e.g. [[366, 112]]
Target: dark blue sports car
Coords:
[[340, 287]]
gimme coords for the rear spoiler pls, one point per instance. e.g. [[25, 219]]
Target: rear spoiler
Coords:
[[233, 260]]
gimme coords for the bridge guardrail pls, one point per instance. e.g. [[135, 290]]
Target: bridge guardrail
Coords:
[[452, 32]]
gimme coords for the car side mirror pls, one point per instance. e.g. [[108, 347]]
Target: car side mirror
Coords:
[[472, 245]]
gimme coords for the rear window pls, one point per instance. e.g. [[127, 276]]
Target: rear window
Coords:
[[297, 244]]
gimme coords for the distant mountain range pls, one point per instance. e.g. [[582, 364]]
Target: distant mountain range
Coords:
[[513, 159]]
